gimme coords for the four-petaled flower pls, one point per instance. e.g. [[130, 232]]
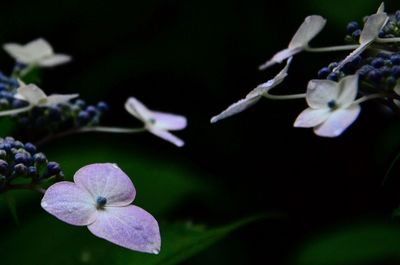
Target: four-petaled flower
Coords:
[[332, 107], [101, 199], [158, 123], [311, 26], [37, 52]]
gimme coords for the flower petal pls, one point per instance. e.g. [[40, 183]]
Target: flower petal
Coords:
[[57, 99], [130, 227], [280, 56], [106, 180], [320, 92], [54, 60], [29, 53], [168, 121], [39, 48], [312, 117], [338, 121], [311, 26], [166, 136], [348, 90], [138, 110], [267, 86], [31, 93], [18, 53], [69, 203], [372, 27]]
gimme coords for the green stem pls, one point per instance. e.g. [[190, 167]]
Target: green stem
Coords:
[[284, 97]]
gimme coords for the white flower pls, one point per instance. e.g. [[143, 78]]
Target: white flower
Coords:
[[332, 108], [370, 32], [36, 97], [254, 95], [311, 26], [37, 52], [158, 123]]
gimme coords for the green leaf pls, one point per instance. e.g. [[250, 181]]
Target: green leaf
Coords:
[[354, 245], [45, 240]]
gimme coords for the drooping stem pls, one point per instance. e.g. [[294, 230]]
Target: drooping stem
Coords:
[[332, 48], [15, 111]]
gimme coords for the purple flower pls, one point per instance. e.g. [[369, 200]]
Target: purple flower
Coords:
[[101, 199]]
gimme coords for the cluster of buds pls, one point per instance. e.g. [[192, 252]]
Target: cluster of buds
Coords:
[[370, 71], [22, 166]]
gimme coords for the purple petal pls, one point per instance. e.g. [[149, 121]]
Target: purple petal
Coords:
[[168, 121], [130, 227], [69, 203], [106, 180], [137, 109], [167, 136]]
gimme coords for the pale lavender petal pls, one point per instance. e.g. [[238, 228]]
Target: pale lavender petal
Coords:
[[138, 110], [69, 203], [372, 27], [321, 92], [311, 26], [57, 99], [130, 227], [168, 121], [166, 136], [106, 180], [237, 107], [338, 122], [32, 94], [54, 60], [348, 90], [312, 117], [281, 56]]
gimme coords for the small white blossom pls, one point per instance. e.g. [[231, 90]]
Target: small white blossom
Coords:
[[254, 95], [37, 52], [157, 123], [331, 106], [311, 26]]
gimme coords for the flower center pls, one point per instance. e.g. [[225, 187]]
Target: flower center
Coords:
[[332, 105], [152, 121], [100, 202]]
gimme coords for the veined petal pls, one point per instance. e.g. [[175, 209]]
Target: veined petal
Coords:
[[106, 180], [166, 136], [130, 227], [54, 60], [138, 110], [338, 121], [372, 27], [311, 26], [237, 107], [348, 90], [321, 92], [312, 117], [32, 94], [168, 121], [56, 99], [69, 203]]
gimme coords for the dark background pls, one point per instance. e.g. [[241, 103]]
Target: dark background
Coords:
[[197, 57]]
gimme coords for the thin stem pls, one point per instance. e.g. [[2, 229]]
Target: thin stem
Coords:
[[15, 111], [31, 186], [387, 40], [111, 129], [332, 48], [26, 70], [365, 98], [387, 174], [284, 97]]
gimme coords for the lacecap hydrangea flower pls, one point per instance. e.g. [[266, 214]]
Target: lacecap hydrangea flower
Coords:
[[100, 198], [156, 122]]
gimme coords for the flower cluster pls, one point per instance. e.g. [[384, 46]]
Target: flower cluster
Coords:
[[22, 163], [371, 70]]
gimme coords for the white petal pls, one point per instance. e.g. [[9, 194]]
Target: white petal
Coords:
[[338, 121], [311, 26], [321, 92], [138, 110], [168, 121], [56, 99], [167, 136], [381, 8], [32, 94], [312, 117], [267, 86], [281, 56], [39, 48], [130, 227], [237, 107], [348, 90], [54, 60], [19, 53], [106, 180], [69, 203], [372, 27]]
